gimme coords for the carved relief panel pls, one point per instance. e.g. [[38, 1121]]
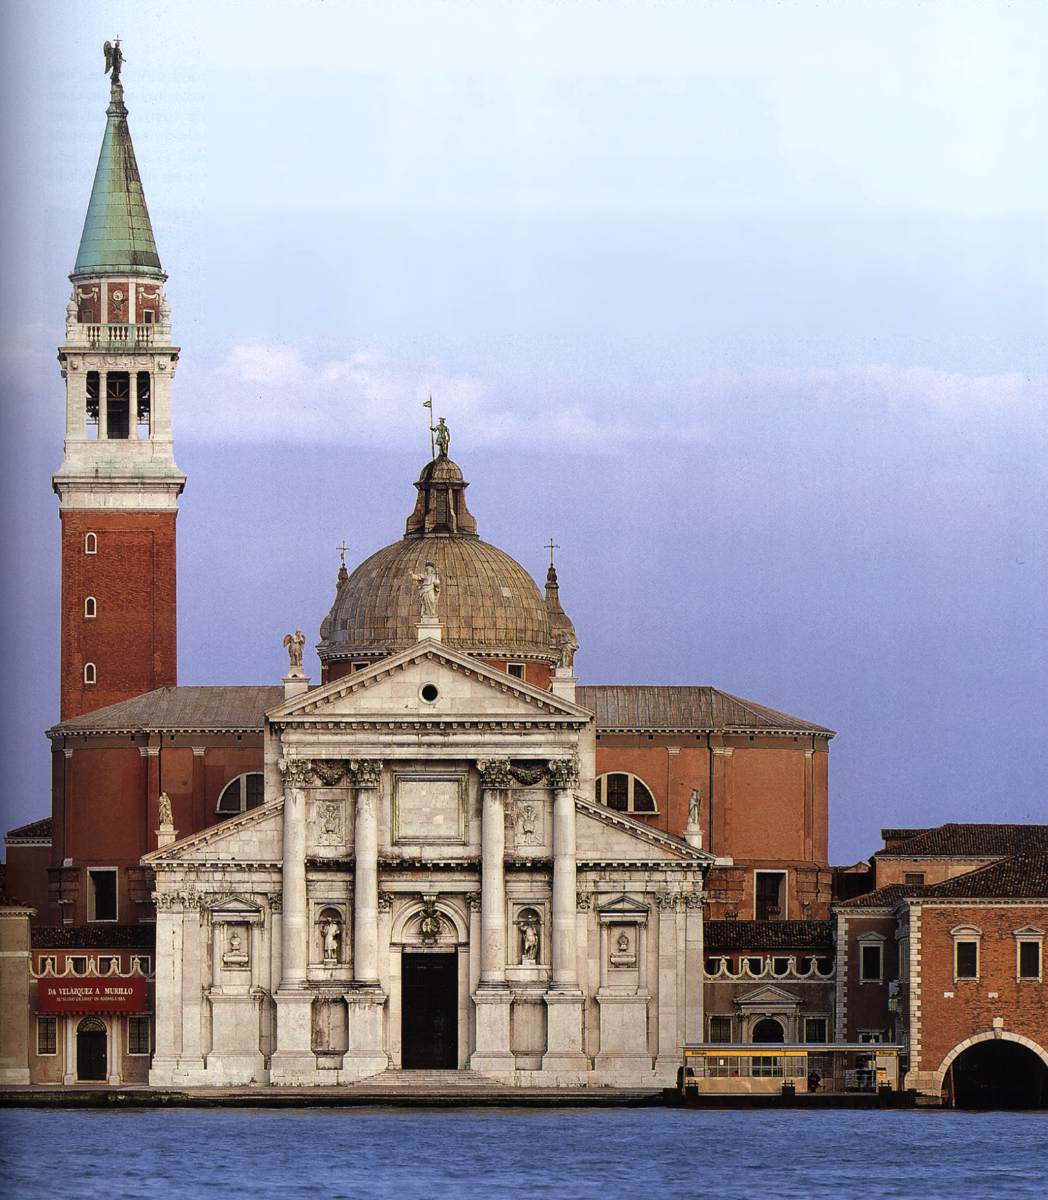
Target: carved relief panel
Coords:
[[330, 822], [88, 303], [117, 303]]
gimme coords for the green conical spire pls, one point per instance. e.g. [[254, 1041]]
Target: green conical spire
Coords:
[[117, 237]]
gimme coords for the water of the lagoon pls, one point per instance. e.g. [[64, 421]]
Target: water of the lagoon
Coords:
[[570, 1154]]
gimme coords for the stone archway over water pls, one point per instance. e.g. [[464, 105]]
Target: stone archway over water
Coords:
[[996, 1072]]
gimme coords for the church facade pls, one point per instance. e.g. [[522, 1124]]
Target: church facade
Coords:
[[427, 885]]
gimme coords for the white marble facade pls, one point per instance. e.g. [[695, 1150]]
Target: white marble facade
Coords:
[[429, 805]]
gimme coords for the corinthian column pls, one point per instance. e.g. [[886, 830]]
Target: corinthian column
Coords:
[[293, 1061], [365, 775], [495, 777], [564, 1000], [564, 774]]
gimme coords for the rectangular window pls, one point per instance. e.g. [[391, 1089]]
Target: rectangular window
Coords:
[[48, 963], [720, 1029], [913, 878], [141, 962], [47, 1035], [516, 670], [78, 965], [870, 960], [871, 1035], [815, 1029], [1029, 960], [107, 963], [966, 960], [139, 1035], [103, 894], [769, 895]]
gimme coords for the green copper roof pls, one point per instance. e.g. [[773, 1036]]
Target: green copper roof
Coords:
[[117, 237]]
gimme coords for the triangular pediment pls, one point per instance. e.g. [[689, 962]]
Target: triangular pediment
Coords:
[[254, 836], [431, 684], [234, 906], [623, 906], [603, 835], [767, 994]]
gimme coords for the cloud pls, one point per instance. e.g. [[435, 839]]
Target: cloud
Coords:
[[265, 392]]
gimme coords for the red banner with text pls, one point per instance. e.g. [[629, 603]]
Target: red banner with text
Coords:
[[88, 994]]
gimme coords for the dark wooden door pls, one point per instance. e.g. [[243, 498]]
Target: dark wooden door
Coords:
[[91, 1054], [429, 1011]]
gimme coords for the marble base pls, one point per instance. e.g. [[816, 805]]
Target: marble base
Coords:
[[564, 1052]]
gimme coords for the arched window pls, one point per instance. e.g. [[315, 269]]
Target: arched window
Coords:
[[90, 543], [240, 794], [90, 608], [625, 793], [768, 1030], [90, 674]]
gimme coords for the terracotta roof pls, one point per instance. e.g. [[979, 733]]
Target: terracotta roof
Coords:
[[1019, 877], [1023, 876], [94, 937], [968, 840], [180, 708], [642, 706], [767, 935], [35, 831], [884, 897]]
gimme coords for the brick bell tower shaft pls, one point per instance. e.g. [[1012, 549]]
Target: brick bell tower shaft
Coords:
[[118, 484]]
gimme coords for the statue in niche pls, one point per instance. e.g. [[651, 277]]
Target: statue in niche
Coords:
[[529, 938], [164, 804], [428, 590], [331, 933], [236, 952], [694, 803], [295, 643]]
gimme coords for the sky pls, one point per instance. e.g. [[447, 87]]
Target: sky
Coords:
[[741, 303]]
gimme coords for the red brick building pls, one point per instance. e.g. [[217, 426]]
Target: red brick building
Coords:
[[953, 970]]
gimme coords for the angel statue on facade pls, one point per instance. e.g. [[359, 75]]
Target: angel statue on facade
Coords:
[[114, 59], [295, 643], [428, 589]]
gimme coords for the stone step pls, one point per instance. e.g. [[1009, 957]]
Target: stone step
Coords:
[[426, 1080]]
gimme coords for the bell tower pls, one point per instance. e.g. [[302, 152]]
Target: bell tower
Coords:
[[118, 484]]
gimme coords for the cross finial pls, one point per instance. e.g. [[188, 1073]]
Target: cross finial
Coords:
[[342, 552], [551, 545]]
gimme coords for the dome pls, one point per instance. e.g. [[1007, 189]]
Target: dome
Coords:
[[488, 604]]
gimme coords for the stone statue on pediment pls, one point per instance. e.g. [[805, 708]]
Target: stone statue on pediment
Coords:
[[428, 583]]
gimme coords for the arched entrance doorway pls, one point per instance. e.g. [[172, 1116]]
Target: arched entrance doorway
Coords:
[[997, 1073], [768, 1031], [91, 1050]]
